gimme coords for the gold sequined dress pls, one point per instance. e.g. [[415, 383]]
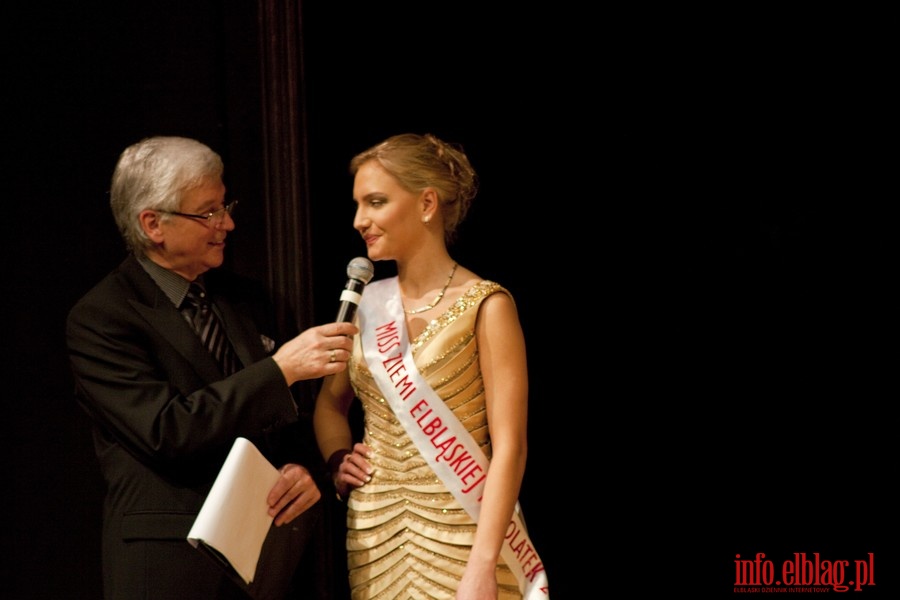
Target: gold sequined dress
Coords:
[[408, 537]]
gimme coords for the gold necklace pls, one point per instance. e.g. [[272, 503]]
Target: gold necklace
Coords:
[[422, 309]]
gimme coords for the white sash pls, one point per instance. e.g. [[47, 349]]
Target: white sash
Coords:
[[441, 439]]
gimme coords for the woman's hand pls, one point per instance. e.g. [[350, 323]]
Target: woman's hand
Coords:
[[479, 582], [353, 471]]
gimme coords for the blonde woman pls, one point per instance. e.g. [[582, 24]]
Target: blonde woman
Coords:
[[440, 368]]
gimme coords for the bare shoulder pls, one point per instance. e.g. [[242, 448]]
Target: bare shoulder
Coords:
[[499, 301], [497, 311]]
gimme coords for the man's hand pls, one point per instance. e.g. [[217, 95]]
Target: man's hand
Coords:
[[317, 352], [293, 493]]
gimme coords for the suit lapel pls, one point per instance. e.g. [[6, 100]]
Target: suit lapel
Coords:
[[242, 332], [152, 304], [170, 325]]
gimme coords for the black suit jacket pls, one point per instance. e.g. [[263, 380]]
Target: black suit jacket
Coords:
[[164, 420]]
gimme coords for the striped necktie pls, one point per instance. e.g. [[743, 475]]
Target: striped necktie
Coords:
[[199, 312]]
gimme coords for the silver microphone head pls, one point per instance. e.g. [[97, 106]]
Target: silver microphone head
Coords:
[[361, 268]]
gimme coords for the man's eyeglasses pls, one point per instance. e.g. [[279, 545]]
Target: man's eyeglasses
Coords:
[[214, 218]]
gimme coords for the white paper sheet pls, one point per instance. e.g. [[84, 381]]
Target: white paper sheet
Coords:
[[234, 519]]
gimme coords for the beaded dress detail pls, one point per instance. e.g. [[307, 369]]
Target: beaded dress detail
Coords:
[[408, 537]]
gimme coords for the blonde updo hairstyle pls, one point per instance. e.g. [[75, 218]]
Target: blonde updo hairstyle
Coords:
[[421, 161]]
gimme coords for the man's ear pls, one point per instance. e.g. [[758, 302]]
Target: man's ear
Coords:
[[150, 223]]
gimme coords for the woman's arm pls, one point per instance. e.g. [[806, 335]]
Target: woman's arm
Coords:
[[501, 349], [346, 461]]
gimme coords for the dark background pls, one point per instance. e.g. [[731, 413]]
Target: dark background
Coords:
[[686, 206]]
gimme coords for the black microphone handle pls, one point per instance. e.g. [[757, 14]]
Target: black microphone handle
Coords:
[[350, 300]]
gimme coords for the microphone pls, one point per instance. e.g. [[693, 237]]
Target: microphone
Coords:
[[360, 271]]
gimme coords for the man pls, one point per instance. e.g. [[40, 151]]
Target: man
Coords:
[[171, 373]]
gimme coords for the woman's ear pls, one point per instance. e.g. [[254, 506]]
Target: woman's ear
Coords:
[[150, 223], [430, 204]]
